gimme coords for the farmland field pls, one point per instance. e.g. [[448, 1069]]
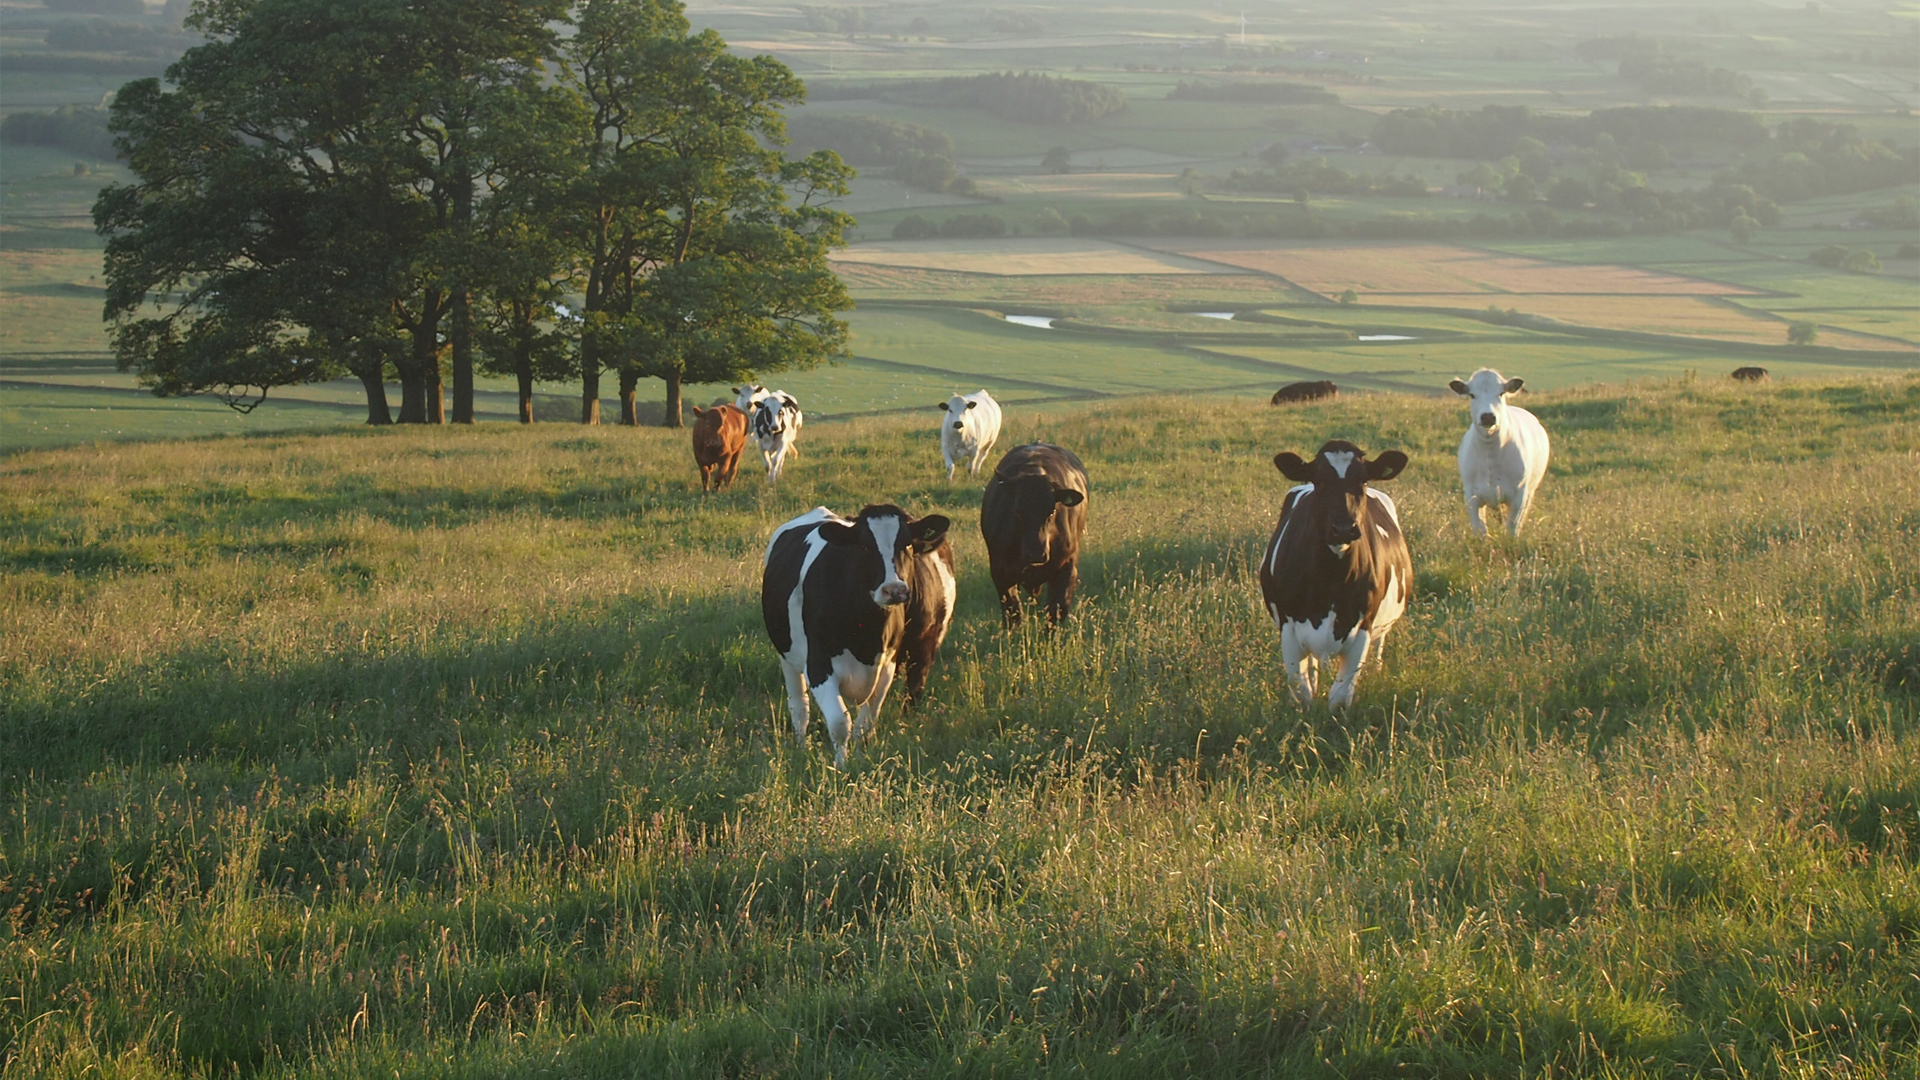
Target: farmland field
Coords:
[[1376, 269], [460, 752]]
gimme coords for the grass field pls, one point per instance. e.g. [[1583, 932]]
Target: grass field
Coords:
[[459, 753], [1374, 269]]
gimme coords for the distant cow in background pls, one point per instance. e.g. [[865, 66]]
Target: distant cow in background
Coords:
[[968, 430], [1293, 393], [1032, 517], [776, 424], [719, 435], [837, 597], [1750, 374], [1336, 575], [1503, 455]]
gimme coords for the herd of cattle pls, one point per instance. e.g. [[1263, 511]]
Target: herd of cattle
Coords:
[[846, 601]]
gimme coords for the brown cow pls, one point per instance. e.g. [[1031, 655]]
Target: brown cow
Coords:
[[1304, 391], [1750, 374], [719, 435], [1032, 516]]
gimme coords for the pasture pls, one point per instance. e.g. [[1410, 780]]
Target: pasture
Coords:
[[447, 752]]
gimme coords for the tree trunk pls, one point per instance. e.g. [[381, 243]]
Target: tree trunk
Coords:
[[460, 301], [413, 396], [436, 395], [629, 397], [589, 381], [672, 419], [526, 391], [372, 377]]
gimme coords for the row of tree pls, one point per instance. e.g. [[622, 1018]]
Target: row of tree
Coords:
[[423, 189]]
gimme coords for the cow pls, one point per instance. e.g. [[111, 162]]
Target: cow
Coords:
[[776, 424], [929, 616], [837, 596], [1750, 374], [1336, 575], [1032, 516], [968, 430], [1304, 391], [750, 395], [719, 435], [1503, 455]]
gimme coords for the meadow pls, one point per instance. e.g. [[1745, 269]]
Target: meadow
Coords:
[[443, 752]]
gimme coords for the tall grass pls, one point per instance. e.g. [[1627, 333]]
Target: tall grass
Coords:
[[462, 753]]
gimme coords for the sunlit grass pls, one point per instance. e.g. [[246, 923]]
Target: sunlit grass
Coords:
[[461, 753]]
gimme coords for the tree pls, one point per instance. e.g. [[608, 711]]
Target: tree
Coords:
[[1862, 261], [1349, 297], [1801, 332], [1057, 161], [700, 269], [1743, 228], [295, 189]]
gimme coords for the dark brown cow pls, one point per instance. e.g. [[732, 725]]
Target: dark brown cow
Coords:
[[1750, 374], [719, 435], [1032, 516], [1337, 575], [1304, 391]]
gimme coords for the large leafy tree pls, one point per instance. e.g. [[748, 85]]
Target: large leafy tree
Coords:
[[705, 249], [306, 192]]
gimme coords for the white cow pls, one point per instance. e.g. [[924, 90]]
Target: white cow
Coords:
[[775, 425], [1503, 456], [968, 430]]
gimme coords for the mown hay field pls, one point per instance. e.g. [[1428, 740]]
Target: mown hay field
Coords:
[[460, 753], [1023, 257], [1373, 269], [1688, 316]]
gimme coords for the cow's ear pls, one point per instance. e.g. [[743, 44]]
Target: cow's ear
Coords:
[[1513, 386], [1068, 497], [838, 533], [1458, 387], [930, 532], [943, 406], [736, 389], [1386, 466], [971, 404], [1292, 467]]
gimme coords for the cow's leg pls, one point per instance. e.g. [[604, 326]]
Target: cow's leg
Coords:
[[1351, 655], [1297, 664], [950, 463], [834, 712], [919, 666], [796, 699], [1060, 593], [870, 709], [1009, 590], [1517, 510], [1474, 519]]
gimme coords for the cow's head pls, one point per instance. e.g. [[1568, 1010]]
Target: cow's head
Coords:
[[1486, 393], [1034, 499], [956, 407], [770, 415], [1339, 474], [745, 396], [887, 539]]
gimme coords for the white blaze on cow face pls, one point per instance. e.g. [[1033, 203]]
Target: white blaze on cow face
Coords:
[[1341, 462], [886, 540]]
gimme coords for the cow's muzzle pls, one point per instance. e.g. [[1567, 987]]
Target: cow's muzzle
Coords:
[[1487, 420], [1342, 535], [958, 426], [894, 593]]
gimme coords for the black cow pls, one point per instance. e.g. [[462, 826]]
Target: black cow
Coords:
[[836, 596], [1304, 391], [1337, 574], [1032, 517], [1750, 374]]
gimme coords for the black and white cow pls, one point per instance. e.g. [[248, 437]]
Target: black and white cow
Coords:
[[1337, 575], [775, 424], [837, 595]]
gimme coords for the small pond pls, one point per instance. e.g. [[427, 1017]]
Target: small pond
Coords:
[[1387, 337], [1215, 314], [1044, 322]]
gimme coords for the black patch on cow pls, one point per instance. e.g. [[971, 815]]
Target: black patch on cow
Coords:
[[1032, 516], [1300, 576]]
